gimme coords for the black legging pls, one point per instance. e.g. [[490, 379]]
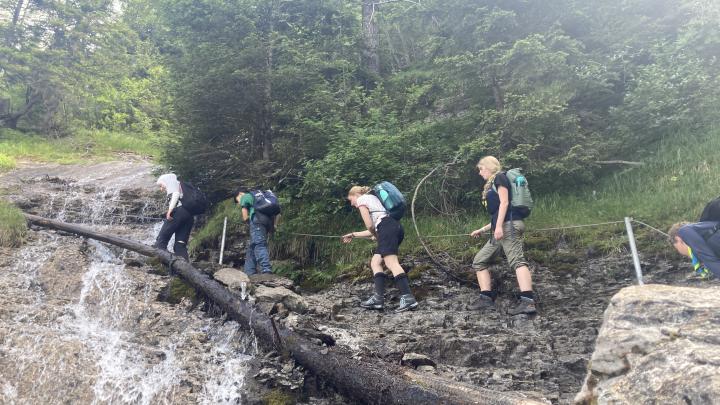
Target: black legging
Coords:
[[181, 225]]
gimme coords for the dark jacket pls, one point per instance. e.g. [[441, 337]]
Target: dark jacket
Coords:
[[704, 241]]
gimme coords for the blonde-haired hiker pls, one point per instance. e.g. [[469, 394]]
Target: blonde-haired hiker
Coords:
[[507, 228], [389, 235]]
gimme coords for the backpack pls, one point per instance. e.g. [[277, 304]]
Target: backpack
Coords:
[[193, 199], [520, 199], [391, 198], [711, 212], [266, 202]]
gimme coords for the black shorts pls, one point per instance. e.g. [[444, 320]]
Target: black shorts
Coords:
[[390, 235]]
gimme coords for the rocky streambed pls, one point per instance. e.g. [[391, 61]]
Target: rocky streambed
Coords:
[[84, 322]]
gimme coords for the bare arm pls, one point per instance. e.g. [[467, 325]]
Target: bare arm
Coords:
[[245, 214], [367, 220], [502, 211], [173, 203]]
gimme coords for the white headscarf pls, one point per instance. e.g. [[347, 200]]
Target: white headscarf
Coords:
[[171, 183]]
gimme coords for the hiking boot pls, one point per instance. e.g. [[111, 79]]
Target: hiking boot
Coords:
[[524, 306], [374, 302], [484, 302], [407, 301]]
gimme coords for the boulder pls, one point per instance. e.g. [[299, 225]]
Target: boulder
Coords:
[[232, 278], [289, 299], [416, 360], [62, 275], [272, 280], [657, 344]]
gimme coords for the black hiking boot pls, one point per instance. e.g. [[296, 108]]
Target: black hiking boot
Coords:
[[524, 306], [407, 302], [374, 302], [484, 302]]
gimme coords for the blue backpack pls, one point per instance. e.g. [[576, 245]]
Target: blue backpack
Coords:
[[266, 202], [391, 198]]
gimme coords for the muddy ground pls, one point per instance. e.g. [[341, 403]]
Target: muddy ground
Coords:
[[545, 355]]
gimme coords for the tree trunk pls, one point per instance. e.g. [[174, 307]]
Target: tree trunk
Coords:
[[10, 119], [498, 95], [371, 61], [18, 10], [266, 118], [368, 381]]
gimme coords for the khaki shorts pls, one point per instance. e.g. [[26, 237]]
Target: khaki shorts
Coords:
[[511, 244]]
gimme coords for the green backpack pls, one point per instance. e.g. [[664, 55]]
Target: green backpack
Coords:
[[520, 199]]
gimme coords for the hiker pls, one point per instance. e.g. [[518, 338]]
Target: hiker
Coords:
[[506, 227], [260, 225], [389, 234], [699, 241], [178, 220]]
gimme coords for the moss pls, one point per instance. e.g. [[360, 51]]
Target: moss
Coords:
[[278, 397], [563, 257], [539, 242], [176, 290], [564, 267], [538, 256], [13, 226], [418, 271], [6, 162]]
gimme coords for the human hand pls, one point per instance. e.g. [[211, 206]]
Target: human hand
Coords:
[[498, 233], [168, 216], [347, 238], [476, 233]]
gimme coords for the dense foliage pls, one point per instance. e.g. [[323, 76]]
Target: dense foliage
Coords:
[[312, 96]]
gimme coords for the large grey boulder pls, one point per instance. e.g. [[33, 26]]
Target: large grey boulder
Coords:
[[658, 344], [232, 278], [275, 295]]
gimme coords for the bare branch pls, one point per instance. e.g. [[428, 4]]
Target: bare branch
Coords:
[[618, 162]]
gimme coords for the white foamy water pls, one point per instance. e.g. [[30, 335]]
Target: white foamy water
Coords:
[[110, 340]]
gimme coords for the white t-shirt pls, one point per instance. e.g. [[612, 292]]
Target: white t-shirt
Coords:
[[373, 204]]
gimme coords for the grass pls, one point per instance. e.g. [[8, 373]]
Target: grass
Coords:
[[84, 145], [673, 185], [12, 225]]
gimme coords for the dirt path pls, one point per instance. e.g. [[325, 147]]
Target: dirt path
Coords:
[[545, 354]]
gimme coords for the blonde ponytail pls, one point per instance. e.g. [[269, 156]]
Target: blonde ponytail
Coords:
[[359, 190], [491, 163]]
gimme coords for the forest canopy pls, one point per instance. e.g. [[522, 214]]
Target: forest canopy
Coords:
[[312, 96]]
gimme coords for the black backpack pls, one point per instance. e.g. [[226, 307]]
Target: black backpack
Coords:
[[711, 213], [193, 199], [266, 202]]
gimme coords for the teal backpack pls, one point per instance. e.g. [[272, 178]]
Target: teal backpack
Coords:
[[391, 198], [520, 199]]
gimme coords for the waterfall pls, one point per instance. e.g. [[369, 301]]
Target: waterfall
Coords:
[[77, 325]]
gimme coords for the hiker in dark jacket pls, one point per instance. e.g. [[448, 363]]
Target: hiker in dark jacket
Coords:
[[507, 228], [260, 225], [700, 242], [178, 220], [389, 234]]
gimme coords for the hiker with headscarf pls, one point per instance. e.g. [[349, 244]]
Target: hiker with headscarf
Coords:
[[178, 220]]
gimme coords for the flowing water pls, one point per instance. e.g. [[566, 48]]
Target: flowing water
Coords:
[[79, 326]]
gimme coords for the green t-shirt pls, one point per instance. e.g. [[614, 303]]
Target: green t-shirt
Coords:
[[248, 201]]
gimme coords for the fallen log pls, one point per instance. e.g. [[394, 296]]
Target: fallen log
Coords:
[[369, 381]]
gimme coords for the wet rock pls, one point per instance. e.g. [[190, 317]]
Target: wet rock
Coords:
[[232, 278], [289, 299], [272, 280], [134, 261], [62, 275], [657, 344], [416, 360]]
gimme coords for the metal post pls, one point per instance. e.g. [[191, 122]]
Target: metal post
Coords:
[[222, 244], [633, 249]]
